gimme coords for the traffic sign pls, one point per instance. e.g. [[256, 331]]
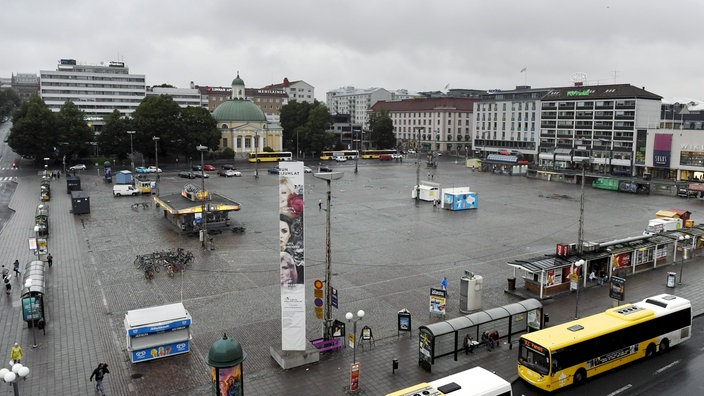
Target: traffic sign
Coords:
[[318, 284], [318, 302]]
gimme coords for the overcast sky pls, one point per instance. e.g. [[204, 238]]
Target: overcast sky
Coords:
[[418, 45]]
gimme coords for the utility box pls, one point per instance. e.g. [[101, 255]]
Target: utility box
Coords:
[[671, 277], [73, 183], [470, 292], [80, 202]]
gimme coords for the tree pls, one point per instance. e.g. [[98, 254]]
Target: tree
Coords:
[[293, 116], [33, 132], [9, 101], [156, 116], [114, 140], [306, 124], [199, 127], [382, 130], [73, 131]]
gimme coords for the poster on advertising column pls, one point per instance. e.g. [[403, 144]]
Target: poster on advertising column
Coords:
[[292, 258]]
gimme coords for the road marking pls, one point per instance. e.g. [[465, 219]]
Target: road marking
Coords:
[[676, 362], [617, 391]]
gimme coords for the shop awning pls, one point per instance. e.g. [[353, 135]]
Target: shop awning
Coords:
[[509, 159], [176, 204], [539, 264]]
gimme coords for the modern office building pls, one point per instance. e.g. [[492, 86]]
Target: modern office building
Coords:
[[432, 124], [508, 121], [604, 126], [97, 90], [184, 97]]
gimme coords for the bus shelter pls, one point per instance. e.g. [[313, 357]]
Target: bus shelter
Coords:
[[32, 295], [446, 337]]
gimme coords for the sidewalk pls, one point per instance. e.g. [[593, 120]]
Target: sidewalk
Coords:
[[331, 374]]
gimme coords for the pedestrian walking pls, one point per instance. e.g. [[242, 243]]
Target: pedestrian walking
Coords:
[[49, 259], [320, 204], [5, 271], [99, 374], [15, 354], [16, 266]]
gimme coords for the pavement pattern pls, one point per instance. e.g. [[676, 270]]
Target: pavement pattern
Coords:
[[233, 288]]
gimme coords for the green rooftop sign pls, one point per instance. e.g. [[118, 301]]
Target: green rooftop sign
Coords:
[[584, 92]]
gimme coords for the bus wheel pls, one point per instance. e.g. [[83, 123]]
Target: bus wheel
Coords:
[[579, 377], [650, 351], [664, 345]]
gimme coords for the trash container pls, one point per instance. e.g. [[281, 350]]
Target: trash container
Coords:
[[671, 276], [511, 284]]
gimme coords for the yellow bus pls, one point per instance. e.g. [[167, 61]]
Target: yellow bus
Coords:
[[476, 381], [367, 154], [571, 352], [332, 154], [270, 156]]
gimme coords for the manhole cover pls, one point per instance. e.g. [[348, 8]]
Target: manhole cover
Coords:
[[137, 376]]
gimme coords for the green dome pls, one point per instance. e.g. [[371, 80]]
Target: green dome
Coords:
[[225, 352], [237, 80], [238, 110]]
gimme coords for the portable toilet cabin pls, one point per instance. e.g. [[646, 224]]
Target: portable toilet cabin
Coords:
[[80, 202], [429, 191], [459, 198], [73, 183], [124, 177]]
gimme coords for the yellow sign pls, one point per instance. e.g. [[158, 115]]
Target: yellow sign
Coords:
[[318, 312], [574, 277], [317, 293]]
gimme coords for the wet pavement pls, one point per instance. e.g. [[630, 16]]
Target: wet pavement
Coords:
[[386, 253]]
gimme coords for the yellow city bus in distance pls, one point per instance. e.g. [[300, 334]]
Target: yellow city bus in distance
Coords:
[[571, 352], [332, 154], [476, 381], [270, 156], [367, 154]]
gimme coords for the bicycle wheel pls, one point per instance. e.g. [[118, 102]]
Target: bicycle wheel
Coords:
[[157, 268]]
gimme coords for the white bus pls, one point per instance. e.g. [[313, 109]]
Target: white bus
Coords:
[[476, 381]]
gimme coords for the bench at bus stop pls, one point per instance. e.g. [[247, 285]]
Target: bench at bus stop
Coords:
[[323, 345]]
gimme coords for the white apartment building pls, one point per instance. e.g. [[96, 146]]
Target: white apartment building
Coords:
[[508, 121], [98, 90], [299, 91], [355, 102], [183, 96]]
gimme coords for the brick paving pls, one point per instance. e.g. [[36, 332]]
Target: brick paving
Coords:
[[233, 289]]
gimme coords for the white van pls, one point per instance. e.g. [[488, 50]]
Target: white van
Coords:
[[119, 190]]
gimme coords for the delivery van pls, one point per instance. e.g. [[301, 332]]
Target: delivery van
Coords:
[[656, 226], [119, 190]]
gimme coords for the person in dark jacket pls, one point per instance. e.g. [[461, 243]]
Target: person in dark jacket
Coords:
[[99, 373]]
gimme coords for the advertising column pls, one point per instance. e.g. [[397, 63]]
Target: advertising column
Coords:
[[292, 262]]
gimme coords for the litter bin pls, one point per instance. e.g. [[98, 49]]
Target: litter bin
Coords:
[[671, 276]]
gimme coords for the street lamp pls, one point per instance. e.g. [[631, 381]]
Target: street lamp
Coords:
[[328, 177], [18, 372], [256, 154], [349, 316], [131, 149], [577, 265], [418, 129], [204, 217], [685, 239], [156, 160]]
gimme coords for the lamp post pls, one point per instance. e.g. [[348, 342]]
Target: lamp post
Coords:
[[256, 154], [204, 217], [354, 368], [156, 160], [580, 231], [685, 239], [131, 149], [418, 129], [18, 372], [328, 177], [578, 264]]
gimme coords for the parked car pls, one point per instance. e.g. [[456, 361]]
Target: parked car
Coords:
[[78, 167], [229, 167], [119, 190], [340, 159], [324, 169], [411, 151], [396, 156], [195, 168], [229, 173], [307, 170], [201, 174], [208, 167], [275, 170], [187, 175], [385, 157], [154, 169], [141, 169]]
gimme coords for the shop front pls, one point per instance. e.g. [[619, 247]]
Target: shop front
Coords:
[[192, 209]]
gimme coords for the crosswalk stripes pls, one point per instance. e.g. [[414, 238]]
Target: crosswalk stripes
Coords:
[[8, 179]]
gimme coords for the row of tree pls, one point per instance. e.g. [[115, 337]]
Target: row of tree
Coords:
[[38, 133]]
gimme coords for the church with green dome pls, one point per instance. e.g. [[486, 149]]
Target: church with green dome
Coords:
[[243, 125]]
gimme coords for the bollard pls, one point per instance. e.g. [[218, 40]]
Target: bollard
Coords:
[[395, 366]]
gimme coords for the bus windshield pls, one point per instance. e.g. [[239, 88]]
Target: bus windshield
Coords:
[[529, 356]]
